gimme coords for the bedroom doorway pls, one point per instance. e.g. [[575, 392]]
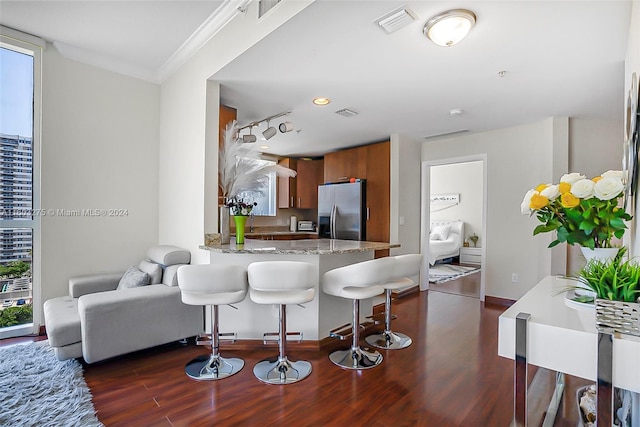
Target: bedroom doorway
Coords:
[[454, 206]]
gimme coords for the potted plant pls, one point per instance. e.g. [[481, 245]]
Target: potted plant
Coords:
[[583, 212], [474, 239], [616, 284]]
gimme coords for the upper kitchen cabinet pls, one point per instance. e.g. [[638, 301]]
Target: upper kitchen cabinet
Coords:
[[287, 186], [302, 191], [310, 175], [342, 165]]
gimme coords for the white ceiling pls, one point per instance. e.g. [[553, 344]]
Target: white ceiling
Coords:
[[562, 58]]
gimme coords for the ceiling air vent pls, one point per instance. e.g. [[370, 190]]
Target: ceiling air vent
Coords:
[[396, 19], [346, 112], [265, 6]]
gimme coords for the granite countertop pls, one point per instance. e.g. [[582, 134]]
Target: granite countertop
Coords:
[[300, 247]]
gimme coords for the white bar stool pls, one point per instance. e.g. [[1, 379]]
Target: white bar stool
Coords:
[[282, 283], [404, 268], [212, 284], [356, 282]]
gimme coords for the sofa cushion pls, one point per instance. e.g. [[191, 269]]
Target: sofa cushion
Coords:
[[170, 276], [133, 278], [62, 321], [169, 255], [153, 270]]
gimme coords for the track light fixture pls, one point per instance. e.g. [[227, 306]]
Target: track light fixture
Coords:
[[285, 127], [269, 132], [250, 137]]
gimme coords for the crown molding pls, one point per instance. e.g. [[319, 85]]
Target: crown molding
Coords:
[[209, 28]]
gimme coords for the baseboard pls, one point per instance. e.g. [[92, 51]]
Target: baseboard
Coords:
[[498, 301]]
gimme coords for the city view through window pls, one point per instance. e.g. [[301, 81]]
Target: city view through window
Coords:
[[16, 187]]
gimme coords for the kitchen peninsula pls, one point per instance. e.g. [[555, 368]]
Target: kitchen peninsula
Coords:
[[317, 317]]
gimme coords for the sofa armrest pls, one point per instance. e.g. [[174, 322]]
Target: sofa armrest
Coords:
[[83, 285], [127, 320]]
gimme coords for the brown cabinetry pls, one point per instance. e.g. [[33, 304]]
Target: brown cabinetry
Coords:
[[342, 165], [302, 191], [310, 175], [287, 186]]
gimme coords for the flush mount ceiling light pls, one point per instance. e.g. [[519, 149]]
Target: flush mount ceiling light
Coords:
[[321, 101], [450, 27]]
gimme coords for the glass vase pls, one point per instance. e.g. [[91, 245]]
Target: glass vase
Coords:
[[240, 221]]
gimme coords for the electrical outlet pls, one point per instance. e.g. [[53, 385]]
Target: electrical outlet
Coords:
[[514, 277]]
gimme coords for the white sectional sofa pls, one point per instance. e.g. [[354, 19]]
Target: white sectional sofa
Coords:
[[98, 321]]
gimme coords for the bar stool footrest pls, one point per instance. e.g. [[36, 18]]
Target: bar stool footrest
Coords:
[[274, 337], [205, 339]]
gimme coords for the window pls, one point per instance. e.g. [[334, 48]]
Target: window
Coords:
[[266, 198], [20, 71]]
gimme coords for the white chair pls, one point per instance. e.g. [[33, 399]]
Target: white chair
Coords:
[[404, 268], [281, 283], [356, 282], [214, 285]]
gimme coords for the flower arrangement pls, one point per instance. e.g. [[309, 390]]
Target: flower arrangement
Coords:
[[474, 239], [581, 211], [239, 207]]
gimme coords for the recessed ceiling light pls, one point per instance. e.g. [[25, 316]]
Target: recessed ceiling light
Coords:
[[264, 147], [455, 112], [321, 101]]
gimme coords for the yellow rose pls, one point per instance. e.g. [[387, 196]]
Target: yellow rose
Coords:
[[538, 202], [568, 200], [564, 187]]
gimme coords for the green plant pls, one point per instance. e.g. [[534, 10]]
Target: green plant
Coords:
[[581, 211], [12, 316], [474, 238], [613, 279]]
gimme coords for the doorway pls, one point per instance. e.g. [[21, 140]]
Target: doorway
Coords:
[[454, 225]]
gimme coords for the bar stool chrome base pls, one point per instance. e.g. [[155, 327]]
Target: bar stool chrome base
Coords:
[[213, 367], [389, 340], [281, 371], [356, 358]]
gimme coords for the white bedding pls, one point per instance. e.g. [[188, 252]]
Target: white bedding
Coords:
[[439, 248]]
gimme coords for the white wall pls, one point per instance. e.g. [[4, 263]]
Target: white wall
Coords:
[[465, 179], [188, 135], [586, 137], [632, 65], [518, 158], [405, 210], [99, 151]]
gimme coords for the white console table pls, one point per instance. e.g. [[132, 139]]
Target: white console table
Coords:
[[564, 339]]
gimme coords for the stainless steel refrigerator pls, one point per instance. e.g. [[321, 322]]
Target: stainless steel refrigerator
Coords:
[[341, 211]]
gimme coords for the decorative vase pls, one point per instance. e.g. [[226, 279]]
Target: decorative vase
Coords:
[[603, 254], [223, 225], [240, 221]]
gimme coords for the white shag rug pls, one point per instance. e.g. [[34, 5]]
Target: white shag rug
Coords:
[[441, 273], [36, 389]]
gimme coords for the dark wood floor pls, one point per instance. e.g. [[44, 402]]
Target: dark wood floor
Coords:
[[450, 376]]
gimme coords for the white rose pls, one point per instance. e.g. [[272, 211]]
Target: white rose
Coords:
[[608, 188], [583, 189], [526, 203], [612, 174], [551, 192], [572, 177]]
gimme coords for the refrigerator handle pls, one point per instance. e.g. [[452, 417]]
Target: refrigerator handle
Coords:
[[333, 222]]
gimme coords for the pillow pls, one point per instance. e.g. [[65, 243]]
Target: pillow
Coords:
[[440, 232], [133, 278], [153, 270]]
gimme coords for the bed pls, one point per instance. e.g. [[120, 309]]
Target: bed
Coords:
[[445, 239]]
